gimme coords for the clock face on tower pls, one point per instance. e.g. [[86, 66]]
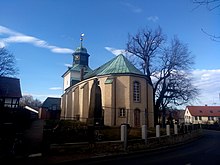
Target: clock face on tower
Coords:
[[77, 57]]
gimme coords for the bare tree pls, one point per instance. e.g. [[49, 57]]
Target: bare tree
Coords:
[[166, 68], [210, 5], [145, 45], [30, 101], [7, 63], [173, 83]]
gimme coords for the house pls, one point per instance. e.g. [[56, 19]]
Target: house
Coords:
[[33, 112], [126, 95], [178, 116], [174, 116], [50, 108], [10, 92], [202, 114]]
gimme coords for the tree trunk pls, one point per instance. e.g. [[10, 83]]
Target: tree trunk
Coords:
[[163, 117]]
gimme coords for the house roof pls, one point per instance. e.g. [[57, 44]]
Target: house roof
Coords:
[[204, 110], [50, 101], [10, 87], [117, 65]]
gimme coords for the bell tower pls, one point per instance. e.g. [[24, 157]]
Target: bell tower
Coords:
[[79, 68], [80, 56]]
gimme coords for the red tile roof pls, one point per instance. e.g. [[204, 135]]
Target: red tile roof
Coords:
[[204, 110]]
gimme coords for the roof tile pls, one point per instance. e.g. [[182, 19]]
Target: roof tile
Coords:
[[117, 65], [204, 110]]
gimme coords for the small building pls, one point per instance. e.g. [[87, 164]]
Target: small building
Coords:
[[202, 114], [33, 112], [126, 95], [50, 108], [178, 116], [173, 116], [10, 92]]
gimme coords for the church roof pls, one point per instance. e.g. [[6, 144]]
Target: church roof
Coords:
[[78, 67], [118, 65]]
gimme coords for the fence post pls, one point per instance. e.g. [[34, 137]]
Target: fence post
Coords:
[[168, 130], [144, 133], [175, 129], [124, 135], [157, 130]]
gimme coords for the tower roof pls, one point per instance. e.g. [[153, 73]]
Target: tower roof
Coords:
[[118, 65], [80, 50]]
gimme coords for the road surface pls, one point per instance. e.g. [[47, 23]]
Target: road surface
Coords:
[[204, 151]]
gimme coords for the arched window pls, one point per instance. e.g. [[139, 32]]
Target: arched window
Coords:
[[136, 91]]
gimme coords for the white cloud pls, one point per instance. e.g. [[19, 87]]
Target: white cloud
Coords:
[[2, 44], [55, 88], [208, 81], [15, 37], [115, 51], [153, 18], [132, 7], [61, 50], [68, 65], [4, 30]]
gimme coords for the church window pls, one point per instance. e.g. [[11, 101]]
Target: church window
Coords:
[[136, 92], [122, 112]]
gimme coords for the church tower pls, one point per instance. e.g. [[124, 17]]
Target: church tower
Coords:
[[79, 67], [80, 56]]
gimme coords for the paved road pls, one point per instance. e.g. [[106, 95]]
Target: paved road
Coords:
[[203, 151], [33, 137]]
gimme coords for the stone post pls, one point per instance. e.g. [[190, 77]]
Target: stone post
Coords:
[[168, 130], [144, 133], [124, 135], [175, 129], [157, 130]]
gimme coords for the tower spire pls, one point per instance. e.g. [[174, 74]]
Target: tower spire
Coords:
[[81, 39]]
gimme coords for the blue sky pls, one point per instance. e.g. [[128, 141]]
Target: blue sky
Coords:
[[42, 35]]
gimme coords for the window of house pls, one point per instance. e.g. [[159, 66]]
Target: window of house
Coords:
[[136, 92], [122, 112], [200, 117], [196, 117], [209, 118], [8, 102]]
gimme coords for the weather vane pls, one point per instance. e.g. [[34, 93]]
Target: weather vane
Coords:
[[81, 38]]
